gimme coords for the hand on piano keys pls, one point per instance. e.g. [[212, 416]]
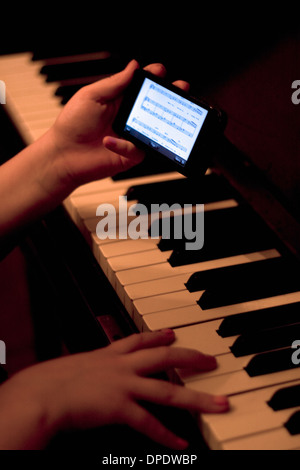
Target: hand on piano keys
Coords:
[[103, 387]]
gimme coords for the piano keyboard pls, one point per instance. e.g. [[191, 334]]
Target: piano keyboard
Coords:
[[238, 298]]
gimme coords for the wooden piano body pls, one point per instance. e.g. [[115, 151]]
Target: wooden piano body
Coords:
[[238, 299]]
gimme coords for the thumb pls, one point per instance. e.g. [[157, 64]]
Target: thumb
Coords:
[[111, 87]]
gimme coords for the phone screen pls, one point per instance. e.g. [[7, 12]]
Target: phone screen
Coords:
[[165, 121]]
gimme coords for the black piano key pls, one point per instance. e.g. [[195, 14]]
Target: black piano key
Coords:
[[260, 319], [293, 424], [86, 68], [52, 51], [66, 92], [285, 398], [270, 362], [242, 283], [265, 340], [248, 274], [144, 168], [68, 88], [227, 232], [209, 188], [243, 291]]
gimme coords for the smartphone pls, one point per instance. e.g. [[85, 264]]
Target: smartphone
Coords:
[[169, 124]]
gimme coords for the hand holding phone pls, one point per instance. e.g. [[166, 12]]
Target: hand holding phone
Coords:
[[168, 123]]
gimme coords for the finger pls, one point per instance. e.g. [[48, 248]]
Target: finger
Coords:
[[123, 148], [144, 341], [156, 69], [182, 84], [111, 87], [163, 358], [168, 394], [142, 421]]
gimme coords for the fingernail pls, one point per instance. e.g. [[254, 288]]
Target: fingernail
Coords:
[[221, 401]]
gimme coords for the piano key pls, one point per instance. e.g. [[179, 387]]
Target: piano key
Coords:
[[190, 314], [142, 169], [269, 362], [203, 338], [164, 302], [284, 398], [268, 278], [68, 52], [62, 71], [265, 340], [252, 321], [85, 206], [229, 232], [116, 264], [276, 439], [231, 376], [249, 414], [164, 270], [128, 262], [19, 98], [210, 188], [84, 201], [67, 59], [123, 248], [142, 306], [239, 381], [293, 424]]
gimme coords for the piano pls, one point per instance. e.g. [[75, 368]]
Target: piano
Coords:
[[238, 298]]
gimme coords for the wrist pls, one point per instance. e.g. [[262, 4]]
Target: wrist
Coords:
[[26, 422], [54, 180]]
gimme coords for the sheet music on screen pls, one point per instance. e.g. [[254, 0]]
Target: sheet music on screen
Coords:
[[165, 121]]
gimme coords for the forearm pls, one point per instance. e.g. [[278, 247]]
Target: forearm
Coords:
[[30, 186]]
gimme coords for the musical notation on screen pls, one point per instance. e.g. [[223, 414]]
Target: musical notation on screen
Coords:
[[175, 117], [159, 134], [167, 119]]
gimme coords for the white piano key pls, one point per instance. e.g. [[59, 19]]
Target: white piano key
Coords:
[[227, 364], [28, 93], [165, 302], [161, 271], [240, 382], [194, 314], [85, 200], [249, 413], [97, 186], [15, 63], [143, 290], [123, 248], [128, 262], [203, 338], [277, 439]]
